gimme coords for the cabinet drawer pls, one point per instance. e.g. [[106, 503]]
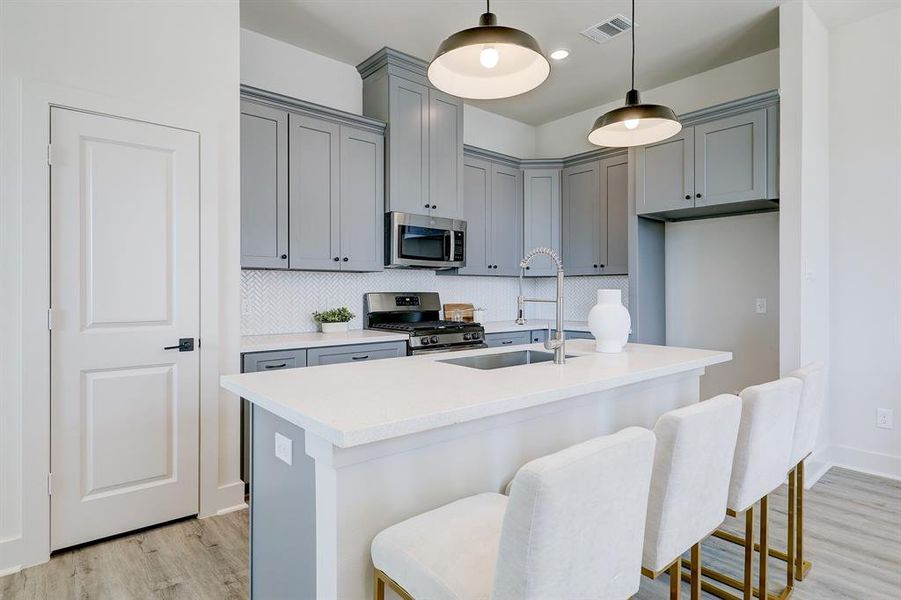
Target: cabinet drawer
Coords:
[[539, 335], [358, 353], [495, 340], [270, 361], [577, 335]]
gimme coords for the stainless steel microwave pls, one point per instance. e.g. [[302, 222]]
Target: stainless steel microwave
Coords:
[[424, 242]]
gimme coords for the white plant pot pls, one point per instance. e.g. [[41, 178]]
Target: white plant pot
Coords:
[[333, 327], [609, 321]]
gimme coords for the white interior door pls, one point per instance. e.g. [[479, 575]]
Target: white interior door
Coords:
[[124, 284]]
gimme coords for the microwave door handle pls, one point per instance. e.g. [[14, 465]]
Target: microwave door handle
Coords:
[[449, 245]]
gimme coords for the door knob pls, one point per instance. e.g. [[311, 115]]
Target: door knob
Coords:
[[184, 345]]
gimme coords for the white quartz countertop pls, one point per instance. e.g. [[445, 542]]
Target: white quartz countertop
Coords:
[[354, 404], [532, 325], [313, 339]]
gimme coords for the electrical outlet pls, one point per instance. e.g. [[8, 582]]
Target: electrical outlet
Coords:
[[761, 306], [885, 418], [283, 448]]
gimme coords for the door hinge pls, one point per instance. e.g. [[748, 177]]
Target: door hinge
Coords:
[[49, 484], [50, 154], [50, 319]]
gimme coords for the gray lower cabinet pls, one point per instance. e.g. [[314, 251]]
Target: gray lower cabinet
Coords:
[[264, 187], [254, 362], [357, 353], [713, 167], [539, 335], [493, 213], [541, 217], [495, 340], [336, 198]]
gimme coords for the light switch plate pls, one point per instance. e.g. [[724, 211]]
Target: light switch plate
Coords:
[[283, 448]]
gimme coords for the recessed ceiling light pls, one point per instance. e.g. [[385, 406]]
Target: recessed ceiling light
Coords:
[[559, 54]]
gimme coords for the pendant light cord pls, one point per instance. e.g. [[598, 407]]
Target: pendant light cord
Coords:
[[633, 44]]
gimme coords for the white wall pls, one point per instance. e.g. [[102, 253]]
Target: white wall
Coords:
[[485, 129], [715, 271], [865, 248], [277, 66], [804, 194], [753, 75], [171, 63]]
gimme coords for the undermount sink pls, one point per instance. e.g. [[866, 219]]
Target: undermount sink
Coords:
[[503, 359]]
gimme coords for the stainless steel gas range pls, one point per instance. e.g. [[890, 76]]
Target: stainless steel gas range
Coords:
[[417, 314]]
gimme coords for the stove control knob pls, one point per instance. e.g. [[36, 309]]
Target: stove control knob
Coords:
[[467, 336], [434, 339], [424, 340], [476, 335]]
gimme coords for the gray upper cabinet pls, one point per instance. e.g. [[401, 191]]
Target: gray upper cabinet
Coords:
[[408, 146], [506, 219], [615, 196], [665, 174], [583, 216], [716, 166], [362, 201], [541, 216], [730, 159], [493, 212], [476, 195], [314, 181], [424, 135], [445, 155], [264, 187]]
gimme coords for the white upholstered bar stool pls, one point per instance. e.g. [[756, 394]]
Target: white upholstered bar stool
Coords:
[[689, 486], [762, 454], [571, 528]]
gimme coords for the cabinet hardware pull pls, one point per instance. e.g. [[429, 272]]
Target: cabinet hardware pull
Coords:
[[688, 196], [595, 266], [344, 259], [602, 266], [281, 366], [426, 205], [359, 357], [336, 259], [505, 342], [434, 206], [698, 195], [284, 256]]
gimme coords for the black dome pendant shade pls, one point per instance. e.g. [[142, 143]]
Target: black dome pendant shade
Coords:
[[488, 62], [635, 124]]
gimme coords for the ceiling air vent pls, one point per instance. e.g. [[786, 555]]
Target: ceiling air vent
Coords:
[[609, 29]]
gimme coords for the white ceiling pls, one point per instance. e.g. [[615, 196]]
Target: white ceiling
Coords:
[[674, 39]]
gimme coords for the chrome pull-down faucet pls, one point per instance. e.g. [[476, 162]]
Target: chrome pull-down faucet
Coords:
[[558, 343]]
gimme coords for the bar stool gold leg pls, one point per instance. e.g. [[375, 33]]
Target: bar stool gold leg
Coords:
[[799, 556], [764, 547], [790, 538], [749, 554], [675, 579], [696, 572], [378, 587]]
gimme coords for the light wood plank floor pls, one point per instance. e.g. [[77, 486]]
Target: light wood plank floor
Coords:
[[853, 539]]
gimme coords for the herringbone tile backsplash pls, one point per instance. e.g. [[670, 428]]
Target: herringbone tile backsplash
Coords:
[[283, 301]]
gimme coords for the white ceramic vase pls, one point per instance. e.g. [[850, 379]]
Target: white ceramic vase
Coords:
[[609, 321], [333, 327]]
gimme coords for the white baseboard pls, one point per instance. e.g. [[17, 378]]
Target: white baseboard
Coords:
[[10, 570], [231, 509], [864, 461]]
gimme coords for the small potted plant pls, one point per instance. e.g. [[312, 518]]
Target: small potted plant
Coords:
[[333, 320]]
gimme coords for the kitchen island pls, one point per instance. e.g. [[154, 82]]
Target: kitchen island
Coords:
[[342, 451]]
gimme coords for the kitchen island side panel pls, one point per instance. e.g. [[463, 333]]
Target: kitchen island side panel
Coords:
[[282, 513]]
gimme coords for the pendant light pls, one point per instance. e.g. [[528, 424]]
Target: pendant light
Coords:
[[488, 62], [635, 124]]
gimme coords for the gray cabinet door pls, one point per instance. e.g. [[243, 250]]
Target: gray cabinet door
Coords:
[[476, 198], [581, 218], [664, 178], [730, 159], [408, 146], [541, 216], [313, 198], [494, 340], [264, 187], [615, 197], [505, 217], [445, 154], [334, 355], [362, 202]]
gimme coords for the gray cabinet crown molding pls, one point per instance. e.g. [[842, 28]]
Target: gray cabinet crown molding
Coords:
[[311, 109], [541, 163], [491, 155], [733, 107], [397, 63]]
